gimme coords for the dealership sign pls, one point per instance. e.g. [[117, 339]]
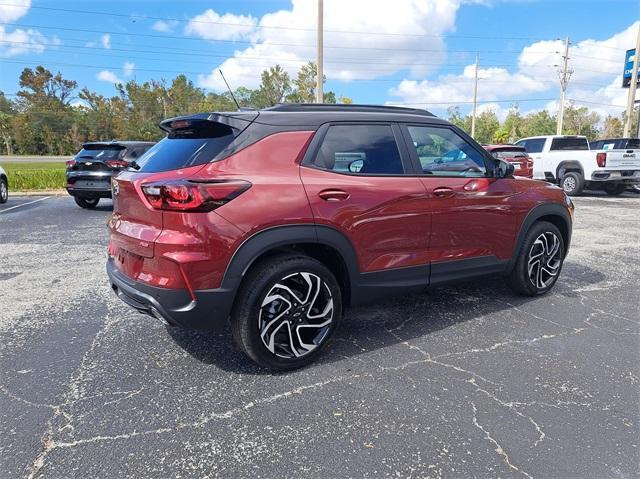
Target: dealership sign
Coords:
[[628, 68]]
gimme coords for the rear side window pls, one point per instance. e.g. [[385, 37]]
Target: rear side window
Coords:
[[186, 148], [561, 144], [363, 149]]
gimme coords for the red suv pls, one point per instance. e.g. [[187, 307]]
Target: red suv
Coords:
[[516, 155], [276, 220]]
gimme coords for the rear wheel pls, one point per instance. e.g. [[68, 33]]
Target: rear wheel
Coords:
[[88, 203], [4, 191], [614, 189], [539, 260], [286, 310], [572, 183]]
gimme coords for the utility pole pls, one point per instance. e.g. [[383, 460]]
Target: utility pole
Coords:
[[320, 72], [632, 89], [475, 100], [564, 81]]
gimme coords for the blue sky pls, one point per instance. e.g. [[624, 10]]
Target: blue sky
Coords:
[[416, 52]]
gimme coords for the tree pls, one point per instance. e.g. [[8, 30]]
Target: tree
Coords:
[[455, 117], [42, 84], [487, 124], [513, 124], [275, 86], [305, 86], [501, 136], [580, 121], [539, 123], [613, 127]]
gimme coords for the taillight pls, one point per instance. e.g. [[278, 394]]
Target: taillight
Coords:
[[70, 163], [117, 163], [601, 158], [193, 195], [529, 161]]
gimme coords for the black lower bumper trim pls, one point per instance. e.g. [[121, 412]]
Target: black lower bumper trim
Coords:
[[208, 312], [89, 192]]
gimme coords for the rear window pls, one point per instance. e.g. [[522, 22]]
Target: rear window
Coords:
[[633, 144], [186, 148], [505, 153], [561, 144], [101, 153]]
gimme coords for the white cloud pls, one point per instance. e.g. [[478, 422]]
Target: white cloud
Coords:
[[20, 41], [108, 76], [596, 78], [164, 26], [128, 68], [411, 42], [213, 26], [105, 41], [13, 10]]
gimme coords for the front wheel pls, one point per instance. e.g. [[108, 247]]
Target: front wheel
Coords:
[[539, 260], [4, 191], [286, 310], [88, 203], [614, 189]]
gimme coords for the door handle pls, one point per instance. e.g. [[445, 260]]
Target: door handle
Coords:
[[333, 195], [443, 192]]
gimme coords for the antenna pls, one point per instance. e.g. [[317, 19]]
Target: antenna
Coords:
[[228, 88]]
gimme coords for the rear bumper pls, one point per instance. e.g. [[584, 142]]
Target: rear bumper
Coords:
[[621, 176], [90, 192], [208, 312], [100, 184]]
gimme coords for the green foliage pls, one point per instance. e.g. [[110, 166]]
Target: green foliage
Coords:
[[35, 176]]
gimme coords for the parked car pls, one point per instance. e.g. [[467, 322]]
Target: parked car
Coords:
[[615, 144], [568, 161], [4, 186], [516, 155], [276, 220], [89, 172]]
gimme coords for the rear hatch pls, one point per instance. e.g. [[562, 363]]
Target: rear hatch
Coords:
[[94, 156], [516, 155], [191, 143]]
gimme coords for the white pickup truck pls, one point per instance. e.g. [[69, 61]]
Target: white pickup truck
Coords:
[[568, 161]]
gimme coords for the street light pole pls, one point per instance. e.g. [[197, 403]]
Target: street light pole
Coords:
[[632, 89], [320, 72]]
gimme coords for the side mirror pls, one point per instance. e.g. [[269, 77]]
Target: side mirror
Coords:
[[355, 166], [505, 169]]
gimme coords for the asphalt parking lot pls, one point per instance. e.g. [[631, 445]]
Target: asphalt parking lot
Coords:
[[464, 382]]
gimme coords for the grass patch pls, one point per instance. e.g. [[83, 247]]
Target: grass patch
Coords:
[[35, 176]]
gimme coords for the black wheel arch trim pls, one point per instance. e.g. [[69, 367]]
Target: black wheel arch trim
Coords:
[[570, 166], [541, 211], [288, 235]]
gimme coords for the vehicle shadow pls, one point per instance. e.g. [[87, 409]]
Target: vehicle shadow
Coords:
[[385, 323]]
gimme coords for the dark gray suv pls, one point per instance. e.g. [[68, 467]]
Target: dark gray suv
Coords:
[[89, 172]]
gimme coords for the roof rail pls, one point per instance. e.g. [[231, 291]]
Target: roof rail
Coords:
[[319, 107]]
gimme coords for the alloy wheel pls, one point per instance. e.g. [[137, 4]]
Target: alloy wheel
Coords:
[[545, 258], [569, 184], [296, 315]]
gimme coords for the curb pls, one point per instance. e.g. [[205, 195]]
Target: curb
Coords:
[[39, 193]]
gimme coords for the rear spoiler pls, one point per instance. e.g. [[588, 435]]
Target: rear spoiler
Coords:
[[237, 120]]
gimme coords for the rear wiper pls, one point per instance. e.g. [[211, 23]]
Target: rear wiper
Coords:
[[134, 165]]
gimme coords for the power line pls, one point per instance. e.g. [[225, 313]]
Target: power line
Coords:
[[272, 27]]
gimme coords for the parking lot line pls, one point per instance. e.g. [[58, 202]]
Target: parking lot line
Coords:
[[25, 204]]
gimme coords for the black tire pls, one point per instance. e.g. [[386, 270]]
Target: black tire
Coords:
[[614, 189], [520, 278], [572, 183], [251, 316], [4, 190], [88, 203]]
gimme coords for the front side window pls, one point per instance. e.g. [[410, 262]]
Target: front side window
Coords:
[[442, 152], [360, 149]]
